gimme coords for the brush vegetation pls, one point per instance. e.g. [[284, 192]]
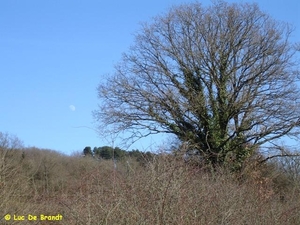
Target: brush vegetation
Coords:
[[159, 190]]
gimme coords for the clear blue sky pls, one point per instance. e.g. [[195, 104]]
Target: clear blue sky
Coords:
[[53, 55]]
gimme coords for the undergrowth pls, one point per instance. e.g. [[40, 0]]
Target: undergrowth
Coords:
[[162, 191]]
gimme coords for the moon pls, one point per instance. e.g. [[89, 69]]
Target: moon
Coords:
[[72, 107]]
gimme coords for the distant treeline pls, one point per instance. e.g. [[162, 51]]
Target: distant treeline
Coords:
[[106, 152]]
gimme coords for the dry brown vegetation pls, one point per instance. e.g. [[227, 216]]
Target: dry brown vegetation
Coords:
[[165, 191]]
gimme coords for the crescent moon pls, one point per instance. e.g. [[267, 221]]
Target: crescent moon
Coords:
[[72, 107]]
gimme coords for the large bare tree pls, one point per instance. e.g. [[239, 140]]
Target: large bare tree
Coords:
[[221, 78]]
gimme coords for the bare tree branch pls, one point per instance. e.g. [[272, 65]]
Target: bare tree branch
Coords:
[[278, 156]]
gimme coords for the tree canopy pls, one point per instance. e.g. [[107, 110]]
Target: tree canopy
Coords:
[[222, 79]]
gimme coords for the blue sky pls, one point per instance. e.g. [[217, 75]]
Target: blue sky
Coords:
[[53, 55]]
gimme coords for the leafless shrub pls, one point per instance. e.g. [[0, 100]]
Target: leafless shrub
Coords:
[[166, 190]]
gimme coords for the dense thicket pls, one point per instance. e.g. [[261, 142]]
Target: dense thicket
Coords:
[[165, 190]]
